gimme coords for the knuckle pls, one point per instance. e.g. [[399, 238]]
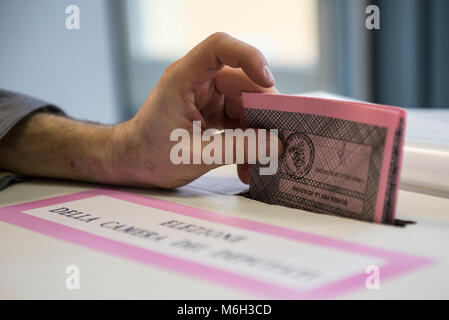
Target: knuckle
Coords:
[[171, 67], [255, 52], [170, 70], [218, 36]]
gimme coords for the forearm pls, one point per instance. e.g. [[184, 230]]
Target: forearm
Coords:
[[47, 145]]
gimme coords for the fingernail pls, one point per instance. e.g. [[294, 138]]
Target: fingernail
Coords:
[[268, 74]]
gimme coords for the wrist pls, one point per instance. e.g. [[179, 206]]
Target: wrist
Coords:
[[102, 149], [114, 156]]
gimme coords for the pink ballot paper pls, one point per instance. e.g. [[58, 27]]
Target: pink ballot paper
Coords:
[[340, 158], [265, 260]]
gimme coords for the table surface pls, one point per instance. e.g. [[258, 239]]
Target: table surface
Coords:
[[33, 265]]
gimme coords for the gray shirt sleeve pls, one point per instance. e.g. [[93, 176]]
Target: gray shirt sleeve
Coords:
[[13, 108]]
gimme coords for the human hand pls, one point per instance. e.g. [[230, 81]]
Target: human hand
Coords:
[[205, 85]]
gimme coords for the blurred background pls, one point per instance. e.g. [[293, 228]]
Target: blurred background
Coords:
[[105, 70]]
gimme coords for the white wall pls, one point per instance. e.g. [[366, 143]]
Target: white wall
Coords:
[[74, 69]]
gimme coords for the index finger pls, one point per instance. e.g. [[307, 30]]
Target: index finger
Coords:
[[205, 60]]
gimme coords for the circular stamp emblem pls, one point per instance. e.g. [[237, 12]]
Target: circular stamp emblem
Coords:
[[299, 154]]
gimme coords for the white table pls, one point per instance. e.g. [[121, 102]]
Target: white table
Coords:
[[33, 265]]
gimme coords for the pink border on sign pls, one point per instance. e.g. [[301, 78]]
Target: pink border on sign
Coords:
[[397, 263], [339, 109]]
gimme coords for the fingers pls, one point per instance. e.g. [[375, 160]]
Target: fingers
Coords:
[[225, 107], [214, 111], [232, 82], [241, 146], [204, 61], [224, 148], [234, 113], [243, 171]]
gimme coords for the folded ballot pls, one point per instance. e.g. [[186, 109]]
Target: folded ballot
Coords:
[[340, 158]]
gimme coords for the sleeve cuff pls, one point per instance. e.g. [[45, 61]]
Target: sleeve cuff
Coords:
[[15, 107]]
